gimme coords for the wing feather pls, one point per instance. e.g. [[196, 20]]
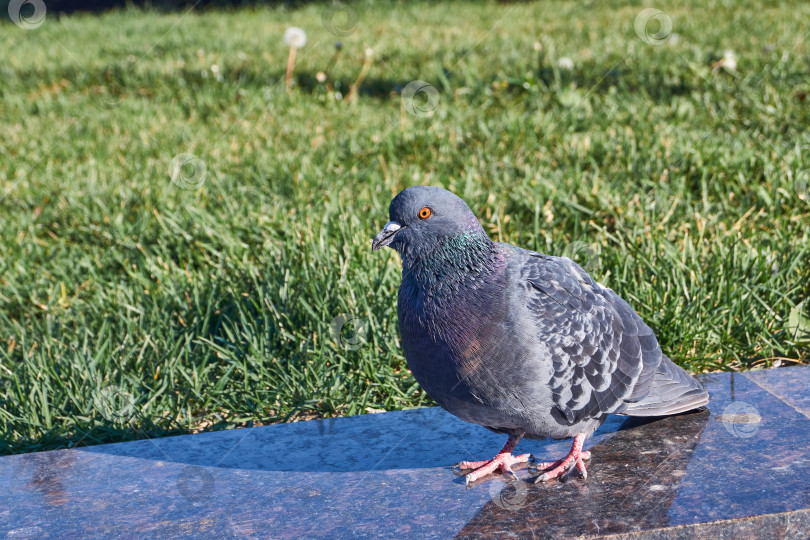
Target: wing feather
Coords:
[[600, 349]]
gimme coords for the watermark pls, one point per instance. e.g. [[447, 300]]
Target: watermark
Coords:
[[115, 76], [195, 483], [584, 255], [349, 332], [113, 95], [420, 98], [653, 26], [662, 202], [506, 171], [741, 419], [115, 404], [27, 14], [802, 185], [510, 497], [339, 19], [428, 418], [188, 171]]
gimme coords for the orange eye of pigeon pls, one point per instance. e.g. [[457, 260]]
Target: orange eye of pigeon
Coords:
[[425, 213]]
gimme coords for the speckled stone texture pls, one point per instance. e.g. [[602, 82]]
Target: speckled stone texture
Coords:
[[738, 470]]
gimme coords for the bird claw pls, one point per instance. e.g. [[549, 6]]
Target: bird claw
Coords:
[[583, 471], [542, 478], [562, 467], [544, 465], [480, 469]]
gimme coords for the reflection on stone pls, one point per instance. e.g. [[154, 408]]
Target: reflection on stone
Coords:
[[635, 473], [46, 476], [739, 469]]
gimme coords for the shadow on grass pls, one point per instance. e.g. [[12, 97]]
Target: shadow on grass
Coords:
[[91, 434]]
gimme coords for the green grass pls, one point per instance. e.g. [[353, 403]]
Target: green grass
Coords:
[[132, 306]]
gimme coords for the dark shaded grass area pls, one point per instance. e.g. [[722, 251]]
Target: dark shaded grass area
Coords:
[[68, 7]]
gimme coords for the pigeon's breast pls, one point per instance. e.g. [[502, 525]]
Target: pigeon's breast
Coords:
[[441, 338], [467, 354]]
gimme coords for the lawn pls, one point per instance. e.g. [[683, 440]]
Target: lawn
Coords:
[[182, 238]]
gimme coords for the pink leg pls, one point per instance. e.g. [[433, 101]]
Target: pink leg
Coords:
[[503, 461], [574, 458]]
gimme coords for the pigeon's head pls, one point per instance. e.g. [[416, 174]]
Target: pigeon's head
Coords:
[[422, 217]]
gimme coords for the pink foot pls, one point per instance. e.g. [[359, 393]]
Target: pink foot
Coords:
[[574, 458], [503, 462]]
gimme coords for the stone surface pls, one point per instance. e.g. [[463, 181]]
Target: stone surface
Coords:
[[738, 470]]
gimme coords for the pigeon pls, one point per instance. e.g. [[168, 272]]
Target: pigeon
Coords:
[[525, 344]]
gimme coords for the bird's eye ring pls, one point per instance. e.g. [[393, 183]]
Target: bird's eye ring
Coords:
[[425, 213]]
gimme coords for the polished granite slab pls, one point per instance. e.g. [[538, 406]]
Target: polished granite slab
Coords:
[[740, 469]]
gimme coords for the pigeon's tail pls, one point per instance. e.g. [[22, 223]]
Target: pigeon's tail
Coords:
[[672, 391]]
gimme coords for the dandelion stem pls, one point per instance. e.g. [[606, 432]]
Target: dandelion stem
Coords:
[[352, 95], [290, 67]]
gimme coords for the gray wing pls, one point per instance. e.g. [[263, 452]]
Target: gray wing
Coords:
[[604, 356]]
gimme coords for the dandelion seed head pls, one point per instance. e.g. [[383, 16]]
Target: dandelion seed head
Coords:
[[295, 37], [729, 61], [565, 63]]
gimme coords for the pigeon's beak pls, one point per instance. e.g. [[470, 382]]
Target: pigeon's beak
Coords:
[[386, 236]]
